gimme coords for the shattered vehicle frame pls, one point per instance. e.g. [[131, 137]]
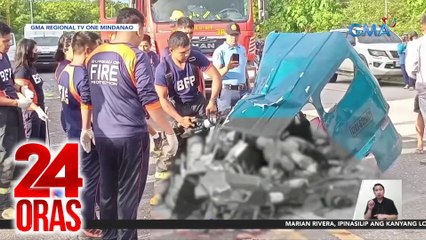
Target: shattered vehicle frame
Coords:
[[268, 158]]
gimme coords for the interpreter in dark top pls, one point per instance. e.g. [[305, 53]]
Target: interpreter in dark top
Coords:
[[380, 208], [122, 94], [74, 91], [26, 75]]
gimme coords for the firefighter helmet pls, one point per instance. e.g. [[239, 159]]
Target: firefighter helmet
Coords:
[[176, 14]]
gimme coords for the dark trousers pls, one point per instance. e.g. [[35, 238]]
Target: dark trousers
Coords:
[[35, 128], [412, 82], [91, 171], [196, 108], [228, 98], [11, 133], [89, 165], [124, 169], [405, 76], [63, 124]]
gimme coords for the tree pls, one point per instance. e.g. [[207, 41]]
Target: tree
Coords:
[[408, 19], [303, 15], [284, 15], [45, 11], [72, 11], [324, 15]]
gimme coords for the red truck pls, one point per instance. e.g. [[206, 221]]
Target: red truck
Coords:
[[210, 19]]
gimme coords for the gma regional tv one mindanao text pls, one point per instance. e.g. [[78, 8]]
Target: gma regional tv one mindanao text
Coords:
[[83, 27]]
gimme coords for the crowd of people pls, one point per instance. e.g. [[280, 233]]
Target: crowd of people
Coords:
[[115, 96], [410, 56]]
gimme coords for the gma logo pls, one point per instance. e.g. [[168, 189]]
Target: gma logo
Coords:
[[359, 30]]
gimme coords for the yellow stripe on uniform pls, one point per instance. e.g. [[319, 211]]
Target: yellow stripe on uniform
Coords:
[[344, 234], [128, 56], [70, 70]]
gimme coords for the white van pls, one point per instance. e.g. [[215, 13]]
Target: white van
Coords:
[[47, 43], [12, 49], [379, 53]]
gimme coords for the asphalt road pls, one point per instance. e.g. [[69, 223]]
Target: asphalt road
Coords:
[[407, 168]]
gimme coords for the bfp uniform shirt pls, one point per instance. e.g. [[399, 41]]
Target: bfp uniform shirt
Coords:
[[25, 75], [7, 83], [122, 87], [74, 90]]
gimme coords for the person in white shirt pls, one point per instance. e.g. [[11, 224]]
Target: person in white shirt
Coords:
[[410, 45], [415, 64]]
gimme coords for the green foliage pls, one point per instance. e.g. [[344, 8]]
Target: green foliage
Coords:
[[113, 7], [302, 15], [324, 15], [408, 19], [49, 11], [284, 15], [72, 11]]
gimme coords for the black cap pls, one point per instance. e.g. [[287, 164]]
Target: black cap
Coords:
[[233, 29]]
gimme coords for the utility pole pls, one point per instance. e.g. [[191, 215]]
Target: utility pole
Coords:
[[8, 12], [386, 8], [31, 11]]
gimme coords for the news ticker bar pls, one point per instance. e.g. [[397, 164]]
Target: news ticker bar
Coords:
[[248, 224]]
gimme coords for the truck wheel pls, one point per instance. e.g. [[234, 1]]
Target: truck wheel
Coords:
[[333, 79]]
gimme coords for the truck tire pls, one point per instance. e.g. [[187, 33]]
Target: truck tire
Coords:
[[333, 79]]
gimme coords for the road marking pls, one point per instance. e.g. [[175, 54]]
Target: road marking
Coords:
[[344, 235], [295, 235], [290, 234], [279, 234]]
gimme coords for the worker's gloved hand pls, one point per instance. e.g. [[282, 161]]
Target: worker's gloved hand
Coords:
[[24, 103], [27, 92], [41, 114], [86, 139]]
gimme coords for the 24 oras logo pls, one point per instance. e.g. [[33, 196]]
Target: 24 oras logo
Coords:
[[385, 21], [36, 209]]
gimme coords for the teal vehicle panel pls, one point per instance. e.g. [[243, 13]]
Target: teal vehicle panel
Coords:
[[294, 70]]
